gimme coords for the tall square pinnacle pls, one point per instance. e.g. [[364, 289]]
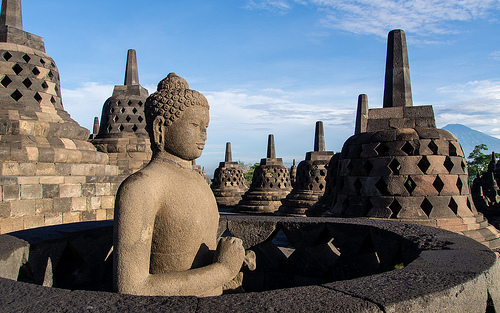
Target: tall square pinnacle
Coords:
[[397, 89], [11, 27]]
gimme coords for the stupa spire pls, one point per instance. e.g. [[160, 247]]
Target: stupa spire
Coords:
[[131, 72], [11, 14], [319, 137], [362, 114], [271, 152], [229, 157], [397, 89]]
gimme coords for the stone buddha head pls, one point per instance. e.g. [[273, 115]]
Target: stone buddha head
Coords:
[[177, 119]]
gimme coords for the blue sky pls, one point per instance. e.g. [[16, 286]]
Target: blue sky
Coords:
[[277, 66]]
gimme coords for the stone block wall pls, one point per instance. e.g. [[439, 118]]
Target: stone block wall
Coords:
[[43, 194]]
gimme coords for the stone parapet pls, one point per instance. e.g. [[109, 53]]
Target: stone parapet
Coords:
[[303, 265]]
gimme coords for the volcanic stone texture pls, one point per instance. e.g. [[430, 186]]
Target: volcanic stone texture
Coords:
[[409, 174]]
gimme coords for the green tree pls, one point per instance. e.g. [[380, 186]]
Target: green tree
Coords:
[[478, 161], [248, 174]]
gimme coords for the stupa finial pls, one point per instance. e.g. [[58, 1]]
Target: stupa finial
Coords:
[[11, 14], [271, 152], [229, 156], [362, 114], [397, 89], [319, 137], [131, 72]]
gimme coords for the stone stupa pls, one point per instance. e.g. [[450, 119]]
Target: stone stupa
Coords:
[[400, 166], [229, 183], [270, 184], [122, 133], [48, 168], [310, 181]]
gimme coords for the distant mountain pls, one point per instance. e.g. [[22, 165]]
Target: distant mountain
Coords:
[[469, 138]]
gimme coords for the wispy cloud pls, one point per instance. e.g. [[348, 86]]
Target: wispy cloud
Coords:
[[422, 17], [495, 55], [477, 105], [85, 102]]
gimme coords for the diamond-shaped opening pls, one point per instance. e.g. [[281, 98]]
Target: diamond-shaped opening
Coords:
[[424, 164], [122, 110], [438, 184], [42, 61], [140, 119], [410, 185], [50, 75], [271, 185], [357, 186], [6, 81], [381, 149], [27, 82], [407, 148], [134, 110], [112, 110], [448, 164], [119, 102], [115, 118], [26, 58], [37, 97], [281, 241], [17, 69], [35, 71], [121, 128], [135, 128], [52, 64], [452, 149], [321, 187], [434, 148], [52, 100], [368, 167], [128, 118], [459, 184], [395, 166], [7, 56], [346, 203], [453, 205], [129, 102], [469, 205], [109, 128], [381, 187], [349, 167], [45, 85], [56, 88], [16, 95], [395, 207], [463, 165], [426, 206], [140, 103]]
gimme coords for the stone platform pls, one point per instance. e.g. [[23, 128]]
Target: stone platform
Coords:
[[320, 264]]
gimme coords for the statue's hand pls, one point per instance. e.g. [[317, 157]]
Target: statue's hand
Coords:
[[230, 253]]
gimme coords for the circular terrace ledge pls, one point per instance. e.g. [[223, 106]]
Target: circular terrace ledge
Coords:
[[337, 265]]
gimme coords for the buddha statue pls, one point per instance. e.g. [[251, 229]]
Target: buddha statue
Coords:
[[166, 217]]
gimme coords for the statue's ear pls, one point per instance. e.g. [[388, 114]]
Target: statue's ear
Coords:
[[158, 129]]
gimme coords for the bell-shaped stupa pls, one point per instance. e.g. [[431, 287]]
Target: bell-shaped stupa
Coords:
[[402, 167], [310, 181], [122, 133], [229, 183], [50, 173], [270, 183]]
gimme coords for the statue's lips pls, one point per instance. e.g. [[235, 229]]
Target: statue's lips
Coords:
[[200, 146]]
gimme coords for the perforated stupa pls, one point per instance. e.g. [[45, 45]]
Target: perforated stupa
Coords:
[[310, 181], [229, 183], [270, 183], [122, 133], [399, 166]]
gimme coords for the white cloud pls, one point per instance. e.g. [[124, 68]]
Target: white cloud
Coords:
[[422, 17], [85, 102], [488, 89], [495, 55]]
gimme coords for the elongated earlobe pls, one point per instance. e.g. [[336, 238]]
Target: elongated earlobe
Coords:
[[158, 126]]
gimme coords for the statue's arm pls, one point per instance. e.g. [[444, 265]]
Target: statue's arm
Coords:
[[134, 220]]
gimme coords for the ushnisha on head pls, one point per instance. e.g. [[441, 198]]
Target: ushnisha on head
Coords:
[[176, 118]]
